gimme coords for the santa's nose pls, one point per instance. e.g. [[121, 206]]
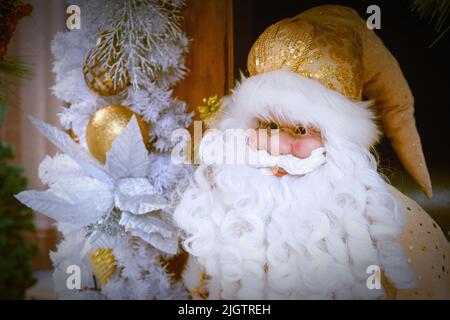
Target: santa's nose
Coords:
[[284, 143], [281, 143]]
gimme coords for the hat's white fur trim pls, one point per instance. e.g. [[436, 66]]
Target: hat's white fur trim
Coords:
[[298, 100]]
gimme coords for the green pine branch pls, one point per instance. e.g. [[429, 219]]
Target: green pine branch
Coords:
[[15, 220]]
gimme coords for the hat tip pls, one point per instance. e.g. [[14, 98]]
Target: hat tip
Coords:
[[428, 192]]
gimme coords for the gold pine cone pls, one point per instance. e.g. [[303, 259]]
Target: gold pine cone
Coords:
[[103, 264]]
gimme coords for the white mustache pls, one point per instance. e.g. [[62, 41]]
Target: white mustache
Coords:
[[290, 163], [215, 151]]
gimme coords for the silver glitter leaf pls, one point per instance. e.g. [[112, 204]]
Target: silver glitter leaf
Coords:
[[138, 196], [151, 230]]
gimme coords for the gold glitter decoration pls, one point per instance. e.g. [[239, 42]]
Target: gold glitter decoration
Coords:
[[209, 107], [73, 136], [99, 79], [329, 53], [200, 291], [106, 125], [210, 111], [103, 264]]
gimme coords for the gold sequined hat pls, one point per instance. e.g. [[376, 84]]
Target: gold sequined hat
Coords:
[[332, 44]]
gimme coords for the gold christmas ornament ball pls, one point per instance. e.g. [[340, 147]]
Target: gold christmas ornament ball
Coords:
[[99, 78], [103, 264], [106, 125]]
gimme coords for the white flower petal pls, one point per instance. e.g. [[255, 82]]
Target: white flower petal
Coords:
[[128, 156], [65, 143], [80, 202], [59, 168]]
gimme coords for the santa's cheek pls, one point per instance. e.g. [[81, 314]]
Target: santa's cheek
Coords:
[[280, 144], [303, 146], [252, 140], [258, 139]]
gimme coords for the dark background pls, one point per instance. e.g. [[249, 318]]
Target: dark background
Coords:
[[426, 69]]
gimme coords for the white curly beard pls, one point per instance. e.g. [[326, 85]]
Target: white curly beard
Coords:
[[310, 237]]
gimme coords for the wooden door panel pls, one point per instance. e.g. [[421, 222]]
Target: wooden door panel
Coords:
[[208, 23]]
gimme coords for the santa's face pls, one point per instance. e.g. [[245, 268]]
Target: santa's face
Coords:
[[308, 230], [279, 138]]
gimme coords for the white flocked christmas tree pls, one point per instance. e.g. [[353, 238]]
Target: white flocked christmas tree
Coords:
[[125, 205]]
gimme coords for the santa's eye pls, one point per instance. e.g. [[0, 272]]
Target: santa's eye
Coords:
[[299, 130], [272, 125]]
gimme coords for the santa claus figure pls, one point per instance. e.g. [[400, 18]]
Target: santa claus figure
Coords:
[[310, 217]]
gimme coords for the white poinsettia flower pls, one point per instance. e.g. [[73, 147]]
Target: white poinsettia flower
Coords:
[[82, 191]]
